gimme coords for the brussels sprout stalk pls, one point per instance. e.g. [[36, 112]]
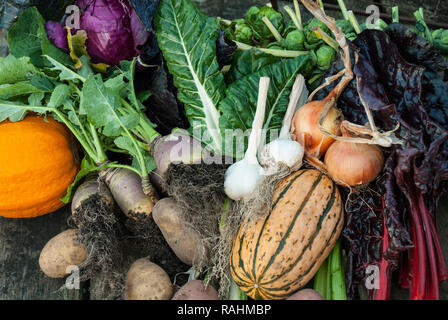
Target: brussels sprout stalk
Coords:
[[274, 52], [343, 9], [225, 22], [294, 18], [298, 14], [352, 18], [321, 4], [420, 20], [273, 30], [321, 34], [395, 14]]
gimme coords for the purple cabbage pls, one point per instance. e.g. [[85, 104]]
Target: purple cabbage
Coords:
[[57, 34], [114, 31]]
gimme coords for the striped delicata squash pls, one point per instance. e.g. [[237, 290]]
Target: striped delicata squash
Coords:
[[275, 255]]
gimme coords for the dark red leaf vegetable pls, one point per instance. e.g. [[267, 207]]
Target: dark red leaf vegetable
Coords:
[[403, 80]]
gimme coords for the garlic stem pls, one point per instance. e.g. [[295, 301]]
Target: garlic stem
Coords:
[[257, 124], [296, 92], [354, 21]]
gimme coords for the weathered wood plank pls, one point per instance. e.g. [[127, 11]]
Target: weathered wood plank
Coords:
[[21, 241]]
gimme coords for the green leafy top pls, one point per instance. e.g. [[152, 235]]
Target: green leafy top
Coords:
[[28, 38], [103, 112]]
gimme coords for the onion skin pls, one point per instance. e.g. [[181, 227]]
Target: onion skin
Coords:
[[307, 131], [354, 164]]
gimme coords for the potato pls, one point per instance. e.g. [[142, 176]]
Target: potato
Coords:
[[196, 290], [147, 281], [60, 252], [183, 240], [305, 294]]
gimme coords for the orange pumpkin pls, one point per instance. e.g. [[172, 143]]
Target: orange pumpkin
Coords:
[[38, 161]]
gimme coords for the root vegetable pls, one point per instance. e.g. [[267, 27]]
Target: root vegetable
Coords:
[[306, 126], [147, 281], [196, 290], [305, 294], [178, 147], [126, 188], [183, 240], [60, 252], [354, 164], [91, 189], [93, 212]]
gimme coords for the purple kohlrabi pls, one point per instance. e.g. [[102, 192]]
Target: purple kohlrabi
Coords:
[[57, 34], [114, 30]]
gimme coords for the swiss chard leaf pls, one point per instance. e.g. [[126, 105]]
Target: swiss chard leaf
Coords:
[[187, 39], [245, 62], [239, 106], [163, 108]]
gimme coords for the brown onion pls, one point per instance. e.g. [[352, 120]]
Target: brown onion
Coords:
[[354, 164], [307, 131]]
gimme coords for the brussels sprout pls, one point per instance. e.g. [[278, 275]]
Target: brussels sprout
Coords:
[[347, 29], [274, 46], [289, 27], [254, 17], [252, 14], [441, 40], [325, 56], [345, 26], [381, 24], [243, 33], [295, 41], [311, 36]]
